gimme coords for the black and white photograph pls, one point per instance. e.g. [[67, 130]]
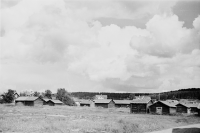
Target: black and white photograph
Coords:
[[99, 66]]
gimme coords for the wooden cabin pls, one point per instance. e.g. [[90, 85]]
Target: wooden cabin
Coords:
[[45, 100], [87, 103], [29, 101], [105, 103], [163, 107], [54, 102], [122, 103], [140, 105], [186, 108]]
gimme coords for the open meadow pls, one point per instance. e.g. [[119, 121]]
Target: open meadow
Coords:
[[65, 119]]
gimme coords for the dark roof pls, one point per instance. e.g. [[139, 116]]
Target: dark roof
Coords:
[[122, 101], [103, 100], [56, 101], [141, 100], [26, 98]]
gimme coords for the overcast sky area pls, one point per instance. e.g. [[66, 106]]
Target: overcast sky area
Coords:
[[99, 46]]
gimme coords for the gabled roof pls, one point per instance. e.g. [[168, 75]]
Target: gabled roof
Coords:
[[122, 101], [46, 100], [16, 94], [188, 105], [55, 101], [141, 100], [169, 104], [103, 100], [26, 98]]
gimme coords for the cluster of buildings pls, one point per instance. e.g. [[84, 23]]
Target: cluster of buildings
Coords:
[[36, 101], [145, 104], [142, 104]]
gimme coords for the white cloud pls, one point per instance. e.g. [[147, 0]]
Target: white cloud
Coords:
[[167, 37], [51, 44]]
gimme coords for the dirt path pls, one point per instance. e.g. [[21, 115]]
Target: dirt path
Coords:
[[195, 128]]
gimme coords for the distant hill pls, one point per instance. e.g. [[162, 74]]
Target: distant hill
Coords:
[[190, 93]]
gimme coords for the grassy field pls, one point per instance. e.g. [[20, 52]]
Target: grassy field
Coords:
[[66, 119]]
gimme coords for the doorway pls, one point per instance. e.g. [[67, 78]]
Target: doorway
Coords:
[[159, 110]]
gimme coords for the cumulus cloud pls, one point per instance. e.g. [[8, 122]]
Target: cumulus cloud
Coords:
[[159, 55], [59, 43], [167, 37]]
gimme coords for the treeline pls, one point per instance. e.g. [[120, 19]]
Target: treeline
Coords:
[[190, 93], [62, 95], [115, 96]]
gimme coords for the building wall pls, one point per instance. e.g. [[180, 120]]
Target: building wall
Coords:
[[181, 109], [19, 103], [29, 103], [165, 108], [38, 102], [50, 103], [194, 109], [82, 104], [58, 104], [92, 104], [25, 103], [138, 108], [172, 110], [111, 104], [122, 105], [44, 103], [104, 105]]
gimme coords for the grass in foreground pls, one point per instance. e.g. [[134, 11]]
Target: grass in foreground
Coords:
[[66, 119]]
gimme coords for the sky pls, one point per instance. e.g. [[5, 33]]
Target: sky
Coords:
[[99, 46]]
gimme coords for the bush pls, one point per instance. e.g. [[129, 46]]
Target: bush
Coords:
[[8, 97], [65, 97]]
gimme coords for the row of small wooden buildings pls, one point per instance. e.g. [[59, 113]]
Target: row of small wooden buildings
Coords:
[[145, 105], [36, 101], [105, 103], [163, 107]]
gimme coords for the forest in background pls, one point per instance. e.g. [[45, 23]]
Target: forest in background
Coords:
[[190, 93]]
